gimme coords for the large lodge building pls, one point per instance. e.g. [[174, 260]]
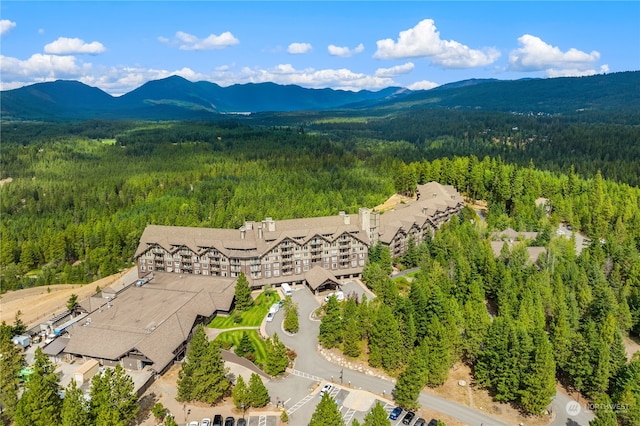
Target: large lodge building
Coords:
[[296, 250], [148, 325]]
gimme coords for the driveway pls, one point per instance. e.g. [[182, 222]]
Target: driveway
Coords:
[[292, 389]]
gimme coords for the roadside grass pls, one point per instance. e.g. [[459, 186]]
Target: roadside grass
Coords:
[[233, 338], [250, 318]]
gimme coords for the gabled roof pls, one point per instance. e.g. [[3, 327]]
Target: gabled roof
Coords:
[[153, 319], [318, 276]]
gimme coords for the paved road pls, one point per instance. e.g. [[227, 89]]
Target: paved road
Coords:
[[310, 361]]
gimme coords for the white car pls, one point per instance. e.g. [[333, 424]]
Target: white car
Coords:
[[194, 423], [270, 316], [205, 422], [327, 388], [338, 294]]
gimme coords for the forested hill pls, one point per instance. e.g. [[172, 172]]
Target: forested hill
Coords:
[[605, 93], [174, 98]]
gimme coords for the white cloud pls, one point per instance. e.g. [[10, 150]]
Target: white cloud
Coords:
[[186, 41], [70, 46], [38, 68], [299, 48], [6, 26], [537, 55], [423, 41], [423, 85], [393, 71], [344, 52], [573, 72]]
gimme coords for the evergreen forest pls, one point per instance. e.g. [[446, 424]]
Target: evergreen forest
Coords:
[[77, 196]]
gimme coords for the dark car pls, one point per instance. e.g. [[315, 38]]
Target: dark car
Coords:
[[408, 417], [433, 422], [241, 422], [217, 420], [395, 413], [420, 422], [229, 421]]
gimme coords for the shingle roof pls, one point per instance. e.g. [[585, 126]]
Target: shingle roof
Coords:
[[154, 319], [318, 276]]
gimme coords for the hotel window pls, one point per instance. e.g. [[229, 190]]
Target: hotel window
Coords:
[[142, 268]]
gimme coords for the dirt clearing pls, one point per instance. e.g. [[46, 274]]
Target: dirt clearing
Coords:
[[39, 303]]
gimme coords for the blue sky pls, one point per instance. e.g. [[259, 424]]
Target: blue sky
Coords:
[[119, 45]]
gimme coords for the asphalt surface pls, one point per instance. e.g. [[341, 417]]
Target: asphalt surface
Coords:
[[295, 390]]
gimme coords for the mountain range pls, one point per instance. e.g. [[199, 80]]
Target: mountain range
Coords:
[[175, 98]]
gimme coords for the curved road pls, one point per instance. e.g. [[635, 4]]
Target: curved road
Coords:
[[311, 362]]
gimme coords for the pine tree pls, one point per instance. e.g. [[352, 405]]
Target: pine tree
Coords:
[[385, 341], [413, 378], [331, 325], [326, 413], [291, 323], [72, 302], [243, 299], [11, 363], [244, 347], [539, 384], [277, 360], [75, 408], [377, 416], [113, 400], [439, 353], [197, 351], [351, 340], [40, 403], [240, 394], [258, 394], [210, 381]]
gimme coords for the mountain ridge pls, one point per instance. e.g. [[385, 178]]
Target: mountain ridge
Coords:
[[176, 98]]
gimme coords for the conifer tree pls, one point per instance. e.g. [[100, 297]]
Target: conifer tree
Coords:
[[385, 341], [198, 348], [210, 381], [326, 413], [243, 299], [75, 407], [539, 384], [240, 394], [413, 378], [277, 360], [377, 416], [40, 403], [113, 400], [11, 363], [331, 325], [351, 340], [245, 347], [291, 323], [258, 393]]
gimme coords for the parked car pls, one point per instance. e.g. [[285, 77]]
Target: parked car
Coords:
[[194, 423], [395, 413], [205, 422], [281, 303], [270, 316], [327, 388], [406, 420], [229, 421], [241, 422], [433, 422], [420, 422], [217, 420], [338, 294]]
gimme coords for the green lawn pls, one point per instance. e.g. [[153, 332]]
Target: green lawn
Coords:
[[250, 318], [258, 344]]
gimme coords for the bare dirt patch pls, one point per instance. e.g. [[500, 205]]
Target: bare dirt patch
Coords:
[[475, 397], [632, 345], [393, 201], [38, 303], [7, 180]]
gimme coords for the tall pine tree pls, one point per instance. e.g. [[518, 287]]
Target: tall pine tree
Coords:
[[243, 299], [326, 413]]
